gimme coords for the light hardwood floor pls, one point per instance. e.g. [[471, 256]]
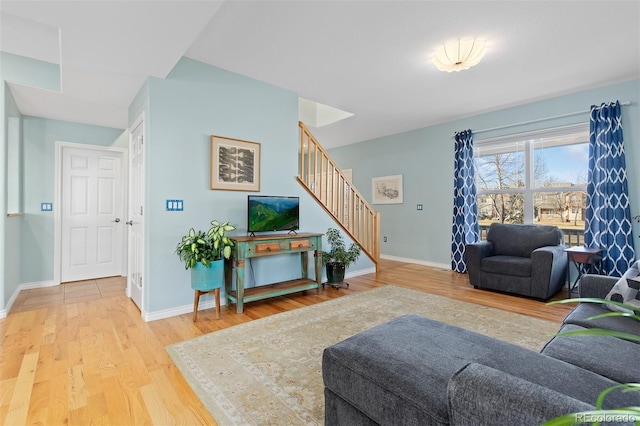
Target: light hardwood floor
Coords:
[[80, 354]]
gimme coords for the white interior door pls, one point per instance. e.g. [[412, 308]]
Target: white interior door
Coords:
[[92, 207], [135, 281]]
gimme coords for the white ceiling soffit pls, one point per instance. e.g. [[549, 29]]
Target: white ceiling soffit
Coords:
[[108, 49], [315, 114], [28, 38]]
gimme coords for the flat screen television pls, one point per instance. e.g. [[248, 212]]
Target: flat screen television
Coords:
[[271, 213]]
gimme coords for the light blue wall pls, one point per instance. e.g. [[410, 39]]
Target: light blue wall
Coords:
[[11, 226], [3, 200], [29, 72], [40, 136], [425, 159], [14, 224], [194, 102], [26, 71]]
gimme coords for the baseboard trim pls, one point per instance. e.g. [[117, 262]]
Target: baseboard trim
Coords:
[[181, 310], [204, 304], [211, 304], [40, 284], [25, 286], [417, 261], [156, 315], [359, 272]]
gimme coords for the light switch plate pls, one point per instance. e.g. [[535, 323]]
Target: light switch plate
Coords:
[[175, 205]]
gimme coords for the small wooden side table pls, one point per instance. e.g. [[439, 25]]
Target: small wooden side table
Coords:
[[587, 260]]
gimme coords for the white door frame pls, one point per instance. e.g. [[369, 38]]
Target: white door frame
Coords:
[[57, 202], [140, 121]]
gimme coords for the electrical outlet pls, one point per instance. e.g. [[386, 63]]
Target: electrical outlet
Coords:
[[419, 207], [384, 239]]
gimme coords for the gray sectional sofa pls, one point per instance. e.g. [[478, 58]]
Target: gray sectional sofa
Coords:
[[417, 371]]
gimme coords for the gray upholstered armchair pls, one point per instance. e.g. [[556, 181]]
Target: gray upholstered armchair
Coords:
[[527, 260]]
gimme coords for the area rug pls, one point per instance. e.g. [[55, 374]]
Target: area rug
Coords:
[[268, 371]]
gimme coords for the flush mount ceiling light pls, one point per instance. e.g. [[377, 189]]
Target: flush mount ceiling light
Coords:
[[459, 55]]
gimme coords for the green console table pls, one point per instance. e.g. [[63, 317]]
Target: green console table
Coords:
[[271, 245]]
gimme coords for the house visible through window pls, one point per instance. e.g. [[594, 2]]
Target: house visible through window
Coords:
[[538, 177]]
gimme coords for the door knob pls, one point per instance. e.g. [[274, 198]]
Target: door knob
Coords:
[[117, 220], [130, 223]]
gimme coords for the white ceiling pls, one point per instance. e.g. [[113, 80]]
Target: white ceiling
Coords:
[[370, 58]]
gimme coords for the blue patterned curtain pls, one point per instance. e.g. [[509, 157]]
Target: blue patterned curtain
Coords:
[[465, 206], [608, 215]]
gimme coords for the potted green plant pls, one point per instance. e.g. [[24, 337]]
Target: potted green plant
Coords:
[[204, 253], [339, 257]]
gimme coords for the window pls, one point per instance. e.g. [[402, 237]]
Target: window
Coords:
[[537, 177]]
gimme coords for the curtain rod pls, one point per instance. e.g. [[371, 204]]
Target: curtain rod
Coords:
[[506, 126]]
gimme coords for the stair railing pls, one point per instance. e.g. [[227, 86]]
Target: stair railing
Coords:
[[324, 180]]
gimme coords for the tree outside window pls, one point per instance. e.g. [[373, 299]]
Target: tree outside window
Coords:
[[535, 178]]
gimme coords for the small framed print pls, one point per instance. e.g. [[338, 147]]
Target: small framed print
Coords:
[[235, 164], [387, 190]]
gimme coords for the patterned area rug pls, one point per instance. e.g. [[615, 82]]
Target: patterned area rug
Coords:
[[268, 371]]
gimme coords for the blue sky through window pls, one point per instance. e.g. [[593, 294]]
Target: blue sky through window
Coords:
[[567, 163]]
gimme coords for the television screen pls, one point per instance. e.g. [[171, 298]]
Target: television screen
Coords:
[[269, 213]]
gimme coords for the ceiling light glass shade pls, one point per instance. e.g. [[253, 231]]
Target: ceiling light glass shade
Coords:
[[459, 55]]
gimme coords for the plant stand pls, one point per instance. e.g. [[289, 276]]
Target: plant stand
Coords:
[[338, 286], [196, 301], [335, 276]]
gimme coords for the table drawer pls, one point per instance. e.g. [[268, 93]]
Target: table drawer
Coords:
[[298, 244], [267, 247]]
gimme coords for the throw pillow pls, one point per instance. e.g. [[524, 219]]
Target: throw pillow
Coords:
[[626, 290]]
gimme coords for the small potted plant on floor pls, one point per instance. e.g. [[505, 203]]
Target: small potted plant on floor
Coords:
[[204, 253], [338, 259]]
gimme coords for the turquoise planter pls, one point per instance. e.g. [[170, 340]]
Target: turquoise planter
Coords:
[[206, 279]]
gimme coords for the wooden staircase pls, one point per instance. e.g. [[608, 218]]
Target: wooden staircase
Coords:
[[324, 180]]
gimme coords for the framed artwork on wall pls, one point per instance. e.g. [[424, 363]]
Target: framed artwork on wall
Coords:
[[235, 164], [387, 190]]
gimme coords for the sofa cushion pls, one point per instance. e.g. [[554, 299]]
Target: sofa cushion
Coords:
[[580, 316], [522, 240], [596, 286], [479, 394], [605, 355], [507, 265], [405, 365], [625, 291]]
